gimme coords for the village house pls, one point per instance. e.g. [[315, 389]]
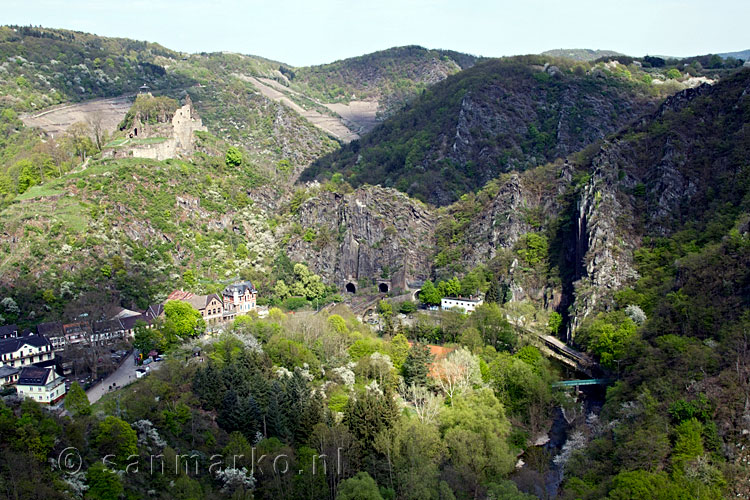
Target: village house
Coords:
[[77, 333], [43, 385], [466, 305], [210, 306], [240, 298], [8, 375], [54, 332], [17, 352], [8, 331], [107, 331]]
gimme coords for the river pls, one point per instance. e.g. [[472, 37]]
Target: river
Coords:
[[544, 465]]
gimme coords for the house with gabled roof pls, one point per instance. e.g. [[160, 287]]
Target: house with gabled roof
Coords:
[[210, 306], [8, 331], [240, 298], [77, 333], [17, 352], [106, 331], [54, 332], [43, 385], [8, 375]]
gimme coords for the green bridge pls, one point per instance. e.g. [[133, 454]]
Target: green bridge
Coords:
[[576, 383]]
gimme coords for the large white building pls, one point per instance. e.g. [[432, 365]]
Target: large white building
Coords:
[[18, 352], [466, 305], [43, 385]]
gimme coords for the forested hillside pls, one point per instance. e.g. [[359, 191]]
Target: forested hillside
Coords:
[[391, 77], [605, 203], [500, 115]]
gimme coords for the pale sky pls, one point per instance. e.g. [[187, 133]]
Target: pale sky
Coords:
[[305, 32]]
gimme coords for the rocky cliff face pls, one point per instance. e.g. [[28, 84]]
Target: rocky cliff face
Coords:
[[368, 235]]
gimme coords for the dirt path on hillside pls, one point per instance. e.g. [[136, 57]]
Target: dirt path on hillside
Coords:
[[330, 124], [57, 119]]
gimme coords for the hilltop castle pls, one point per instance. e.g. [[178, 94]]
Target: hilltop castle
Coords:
[[167, 135]]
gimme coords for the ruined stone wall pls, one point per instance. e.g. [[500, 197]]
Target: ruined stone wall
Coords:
[[185, 123]]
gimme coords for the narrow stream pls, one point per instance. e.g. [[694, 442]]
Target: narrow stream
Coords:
[[544, 479]]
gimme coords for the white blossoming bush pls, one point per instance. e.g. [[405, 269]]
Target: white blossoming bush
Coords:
[[374, 388], [234, 479], [345, 375], [636, 314], [147, 433], [77, 483]]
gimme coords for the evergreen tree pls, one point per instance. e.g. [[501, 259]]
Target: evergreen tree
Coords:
[[209, 387], [370, 414], [506, 294], [276, 424], [76, 401], [250, 417], [416, 366], [230, 414], [493, 292]]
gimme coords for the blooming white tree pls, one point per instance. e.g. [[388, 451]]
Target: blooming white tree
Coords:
[[426, 403], [381, 365], [457, 372], [636, 314], [235, 479], [345, 375]]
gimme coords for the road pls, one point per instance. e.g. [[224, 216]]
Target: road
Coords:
[[124, 375]]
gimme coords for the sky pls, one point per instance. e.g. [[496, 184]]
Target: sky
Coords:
[[307, 32]]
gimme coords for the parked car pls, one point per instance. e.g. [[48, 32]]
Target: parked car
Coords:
[[148, 361], [158, 358]]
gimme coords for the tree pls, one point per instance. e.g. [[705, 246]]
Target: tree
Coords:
[[475, 431], [76, 401], [103, 483], [413, 452], [491, 324], [95, 123], [338, 323], [407, 307], [554, 323], [399, 350], [233, 157], [184, 320], [429, 295], [146, 339], [369, 414], [281, 290], [457, 372], [450, 288], [115, 437], [493, 292], [385, 309], [360, 487], [416, 365], [78, 138], [426, 403]]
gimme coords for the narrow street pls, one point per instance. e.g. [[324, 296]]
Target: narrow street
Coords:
[[124, 375]]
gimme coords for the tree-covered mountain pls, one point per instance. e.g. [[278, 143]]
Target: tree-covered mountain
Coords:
[[500, 115], [390, 77]]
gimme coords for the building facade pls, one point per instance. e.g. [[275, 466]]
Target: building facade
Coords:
[[18, 352], [240, 298], [466, 305], [43, 385]]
